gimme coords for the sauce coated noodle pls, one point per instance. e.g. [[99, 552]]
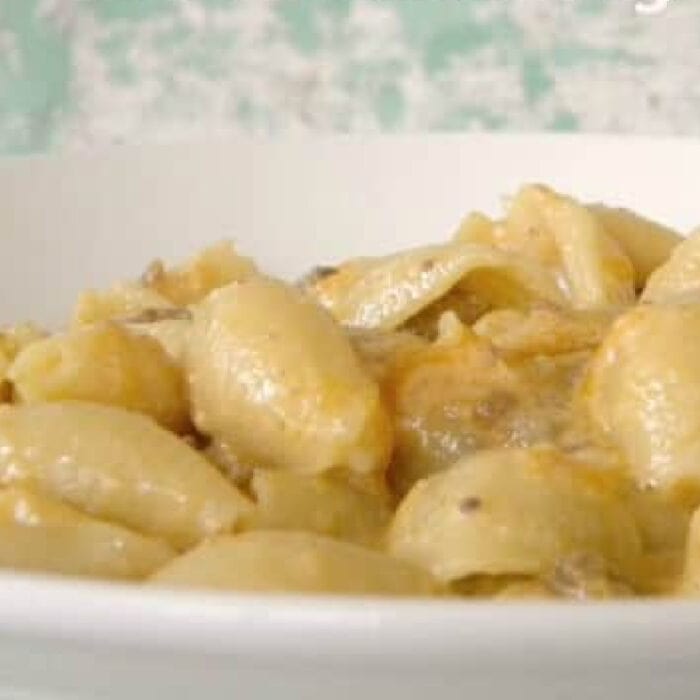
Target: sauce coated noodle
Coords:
[[508, 413]]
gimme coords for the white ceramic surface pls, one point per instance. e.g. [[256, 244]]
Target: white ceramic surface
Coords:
[[68, 223]]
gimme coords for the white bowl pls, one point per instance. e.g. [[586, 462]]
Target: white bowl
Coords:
[[67, 223]]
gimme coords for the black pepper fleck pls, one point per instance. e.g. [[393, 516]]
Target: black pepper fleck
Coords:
[[153, 315], [470, 505], [317, 274], [153, 274]]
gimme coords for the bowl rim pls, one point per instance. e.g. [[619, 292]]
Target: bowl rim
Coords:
[[342, 629]]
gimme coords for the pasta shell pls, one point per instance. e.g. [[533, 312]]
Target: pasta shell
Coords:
[[40, 534], [679, 277], [107, 364], [289, 501], [563, 234], [294, 562], [16, 338], [5, 388], [690, 583], [214, 267], [19, 506], [382, 351], [546, 331], [453, 398], [122, 301], [577, 577], [502, 588], [643, 392], [12, 341], [119, 466], [275, 378], [646, 243], [171, 334], [95, 550], [513, 512], [383, 293], [663, 526], [585, 577], [476, 228]]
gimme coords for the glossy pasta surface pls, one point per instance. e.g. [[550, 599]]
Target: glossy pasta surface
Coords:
[[510, 411]]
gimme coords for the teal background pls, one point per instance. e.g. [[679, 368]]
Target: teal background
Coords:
[[80, 73]]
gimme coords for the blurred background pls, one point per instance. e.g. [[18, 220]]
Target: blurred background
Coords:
[[84, 73]]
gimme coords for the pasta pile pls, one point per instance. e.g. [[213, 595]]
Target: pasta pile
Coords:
[[512, 413]]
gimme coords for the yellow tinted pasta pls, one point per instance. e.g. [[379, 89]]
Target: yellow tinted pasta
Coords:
[[505, 587], [455, 397], [20, 506], [679, 277], [579, 577], [229, 462], [103, 363], [122, 301], [12, 341], [119, 466], [663, 526], [510, 412], [643, 391], [42, 534], [513, 512], [647, 243], [170, 333], [96, 550], [546, 331], [382, 351], [64, 540], [477, 228], [302, 399], [385, 292], [5, 392], [289, 501], [267, 561], [561, 233], [212, 268], [690, 584]]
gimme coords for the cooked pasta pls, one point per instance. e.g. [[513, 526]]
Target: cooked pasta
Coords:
[[386, 292], [94, 550], [592, 266], [690, 583], [297, 562], [118, 465], [190, 283], [38, 533], [646, 243], [510, 412], [451, 398], [124, 300], [679, 277], [171, 333], [287, 501], [12, 341], [514, 512], [643, 391], [103, 363], [303, 401]]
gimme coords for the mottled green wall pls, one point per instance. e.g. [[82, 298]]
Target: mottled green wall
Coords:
[[83, 72]]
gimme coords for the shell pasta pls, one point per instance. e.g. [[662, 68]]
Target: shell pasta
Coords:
[[509, 412]]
